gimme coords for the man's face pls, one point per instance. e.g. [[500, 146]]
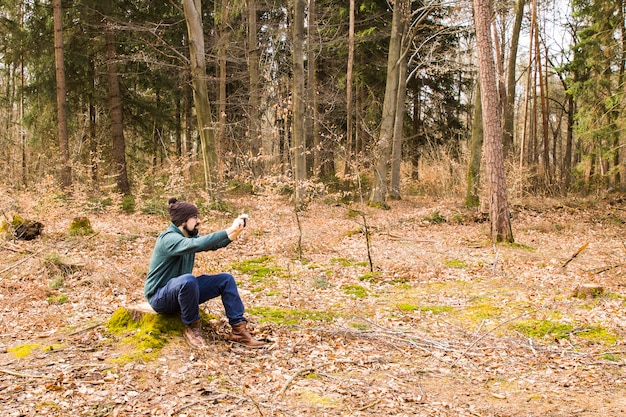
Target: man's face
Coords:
[[191, 226]]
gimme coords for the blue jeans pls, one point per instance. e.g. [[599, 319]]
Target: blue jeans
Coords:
[[185, 294]]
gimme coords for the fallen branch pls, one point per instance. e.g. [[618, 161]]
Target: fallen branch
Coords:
[[582, 248], [21, 375]]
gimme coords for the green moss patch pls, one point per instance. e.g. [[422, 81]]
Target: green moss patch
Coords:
[[455, 263], [546, 329], [145, 336], [288, 316], [483, 311], [598, 334], [258, 269], [356, 291], [539, 329], [409, 307], [372, 277]]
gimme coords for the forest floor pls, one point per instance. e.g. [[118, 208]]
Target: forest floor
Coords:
[[446, 324]]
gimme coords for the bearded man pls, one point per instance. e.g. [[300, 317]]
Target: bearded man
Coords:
[[170, 286]]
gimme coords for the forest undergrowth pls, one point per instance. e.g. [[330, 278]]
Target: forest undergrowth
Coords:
[[430, 320]]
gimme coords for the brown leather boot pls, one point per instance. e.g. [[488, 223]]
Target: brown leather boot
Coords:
[[193, 335], [240, 334]]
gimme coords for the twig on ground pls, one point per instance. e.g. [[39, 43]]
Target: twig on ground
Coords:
[[212, 399], [93, 326], [370, 405], [464, 353], [298, 373], [306, 370]]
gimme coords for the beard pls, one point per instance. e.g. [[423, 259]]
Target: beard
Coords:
[[193, 232]]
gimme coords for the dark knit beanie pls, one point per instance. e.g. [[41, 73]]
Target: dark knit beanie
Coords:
[[181, 211]]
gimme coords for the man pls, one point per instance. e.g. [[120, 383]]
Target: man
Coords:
[[170, 286]]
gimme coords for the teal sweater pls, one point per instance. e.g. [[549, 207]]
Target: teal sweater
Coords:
[[174, 255]]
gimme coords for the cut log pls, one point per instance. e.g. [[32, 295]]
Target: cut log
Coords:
[[137, 311], [585, 291]]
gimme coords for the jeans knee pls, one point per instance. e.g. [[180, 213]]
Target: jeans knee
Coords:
[[188, 281]]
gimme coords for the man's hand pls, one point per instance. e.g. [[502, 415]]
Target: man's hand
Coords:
[[237, 227]]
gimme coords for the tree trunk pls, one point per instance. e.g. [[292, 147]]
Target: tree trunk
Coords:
[[193, 17], [299, 137], [222, 42], [319, 151], [94, 143], [115, 110], [543, 101], [398, 130], [472, 194], [494, 161], [350, 147], [509, 110], [66, 168], [383, 148], [254, 133], [187, 148]]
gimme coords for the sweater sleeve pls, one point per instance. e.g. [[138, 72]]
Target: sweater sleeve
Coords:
[[176, 244]]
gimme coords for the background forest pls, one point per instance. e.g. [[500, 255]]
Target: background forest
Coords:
[[99, 96]]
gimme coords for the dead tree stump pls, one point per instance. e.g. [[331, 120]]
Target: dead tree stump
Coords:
[[137, 311]]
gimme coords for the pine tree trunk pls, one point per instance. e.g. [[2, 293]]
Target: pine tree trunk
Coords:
[[350, 146], [494, 160], [115, 109], [66, 169]]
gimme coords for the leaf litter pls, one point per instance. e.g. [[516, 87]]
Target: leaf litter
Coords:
[[434, 330]]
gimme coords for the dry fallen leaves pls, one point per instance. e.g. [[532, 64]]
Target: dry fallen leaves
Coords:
[[428, 333]]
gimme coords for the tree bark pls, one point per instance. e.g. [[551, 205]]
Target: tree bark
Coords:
[[350, 146], [222, 42], [115, 110], [494, 160], [509, 110], [398, 130], [384, 145], [299, 137], [193, 17], [254, 133], [320, 152], [472, 194], [61, 89]]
